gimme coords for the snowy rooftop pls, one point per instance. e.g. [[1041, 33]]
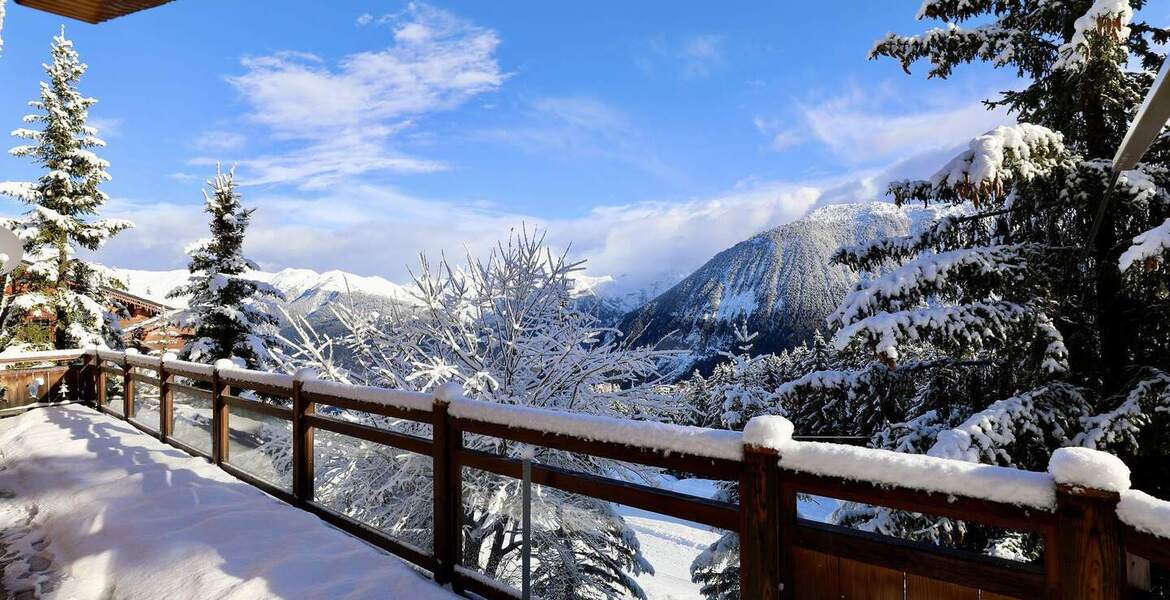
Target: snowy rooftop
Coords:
[[91, 505]]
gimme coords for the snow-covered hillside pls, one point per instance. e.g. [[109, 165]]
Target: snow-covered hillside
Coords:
[[779, 282]]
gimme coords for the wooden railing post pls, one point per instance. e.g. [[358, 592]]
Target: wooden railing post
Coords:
[[759, 532], [100, 381], [302, 448], [1089, 552], [219, 419], [448, 486], [127, 389], [89, 379], [166, 401]]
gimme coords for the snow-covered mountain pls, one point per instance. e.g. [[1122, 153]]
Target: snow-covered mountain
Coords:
[[305, 291], [779, 283]]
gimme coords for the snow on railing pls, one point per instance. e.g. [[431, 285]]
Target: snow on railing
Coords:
[[228, 371], [1145, 513], [375, 395], [188, 366], [888, 468], [40, 355], [664, 437]]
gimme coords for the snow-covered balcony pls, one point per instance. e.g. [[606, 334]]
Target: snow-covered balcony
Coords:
[[98, 499]]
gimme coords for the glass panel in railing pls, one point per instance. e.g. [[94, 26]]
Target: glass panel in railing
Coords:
[[260, 445], [192, 417], [115, 386], [384, 487], [146, 405]]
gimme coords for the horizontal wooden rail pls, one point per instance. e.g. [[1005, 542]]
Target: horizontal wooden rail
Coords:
[[112, 371], [663, 502], [266, 486], [374, 408], [403, 441], [191, 391], [475, 583], [39, 357], [953, 566], [1147, 546], [188, 448], [188, 372], [372, 535], [713, 468], [987, 512], [260, 388], [147, 379], [273, 410]]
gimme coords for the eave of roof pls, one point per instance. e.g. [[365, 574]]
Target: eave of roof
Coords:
[[92, 11]]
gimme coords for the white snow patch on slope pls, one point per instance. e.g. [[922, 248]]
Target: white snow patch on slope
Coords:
[[126, 516]]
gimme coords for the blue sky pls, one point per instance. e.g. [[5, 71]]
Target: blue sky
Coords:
[[650, 134]]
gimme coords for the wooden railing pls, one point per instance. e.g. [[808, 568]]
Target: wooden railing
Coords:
[[1088, 552]]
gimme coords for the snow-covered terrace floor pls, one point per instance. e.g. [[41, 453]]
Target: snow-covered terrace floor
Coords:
[[92, 508]]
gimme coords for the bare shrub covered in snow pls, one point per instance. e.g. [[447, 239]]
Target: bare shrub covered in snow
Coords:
[[506, 329]]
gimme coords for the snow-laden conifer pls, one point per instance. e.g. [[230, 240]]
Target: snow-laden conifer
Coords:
[[740, 388], [228, 315], [57, 299], [996, 335]]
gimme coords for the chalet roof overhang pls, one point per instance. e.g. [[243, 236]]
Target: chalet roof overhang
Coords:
[[92, 11]]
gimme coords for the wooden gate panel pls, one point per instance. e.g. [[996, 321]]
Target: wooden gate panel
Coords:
[[16, 385], [815, 576], [860, 581], [925, 588]]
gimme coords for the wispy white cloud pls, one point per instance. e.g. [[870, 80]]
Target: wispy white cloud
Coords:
[[436, 62], [107, 126], [781, 137], [695, 57], [217, 140], [860, 134], [874, 126], [582, 127]]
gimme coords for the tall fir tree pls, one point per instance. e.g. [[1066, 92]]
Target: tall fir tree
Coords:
[[1001, 333], [229, 316], [56, 299], [740, 388]]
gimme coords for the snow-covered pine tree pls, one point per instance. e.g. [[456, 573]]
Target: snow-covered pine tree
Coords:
[[229, 315], [57, 300], [996, 335], [740, 388], [508, 329]]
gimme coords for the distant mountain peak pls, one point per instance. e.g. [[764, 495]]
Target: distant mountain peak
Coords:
[[779, 282]]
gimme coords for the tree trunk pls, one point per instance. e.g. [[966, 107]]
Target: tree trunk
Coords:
[[497, 552], [1111, 324]]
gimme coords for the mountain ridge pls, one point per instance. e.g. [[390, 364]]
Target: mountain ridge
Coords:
[[779, 283]]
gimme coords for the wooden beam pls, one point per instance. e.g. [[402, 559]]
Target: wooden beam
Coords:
[[91, 11], [944, 564]]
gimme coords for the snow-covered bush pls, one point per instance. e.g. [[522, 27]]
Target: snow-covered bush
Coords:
[[507, 329]]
